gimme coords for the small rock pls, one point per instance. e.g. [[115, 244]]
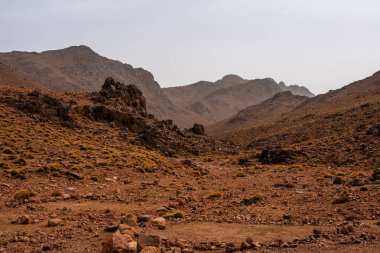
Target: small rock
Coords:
[[133, 246], [160, 222], [111, 228], [118, 243], [74, 175], [23, 239], [25, 219], [54, 222], [70, 189], [244, 246], [150, 249], [144, 218], [66, 196], [338, 180], [130, 220], [148, 240], [49, 246]]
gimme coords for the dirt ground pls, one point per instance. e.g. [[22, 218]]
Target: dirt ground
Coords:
[[287, 208]]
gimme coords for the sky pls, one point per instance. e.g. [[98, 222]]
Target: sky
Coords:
[[320, 44]]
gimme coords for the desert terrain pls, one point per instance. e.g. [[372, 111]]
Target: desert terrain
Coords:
[[95, 172]]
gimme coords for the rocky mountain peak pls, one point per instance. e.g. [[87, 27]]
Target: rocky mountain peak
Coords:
[[232, 78], [124, 97]]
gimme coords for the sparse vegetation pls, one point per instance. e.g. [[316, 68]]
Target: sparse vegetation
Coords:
[[340, 200], [24, 194], [214, 195], [17, 174], [175, 215], [8, 151], [241, 174], [56, 193], [251, 200]]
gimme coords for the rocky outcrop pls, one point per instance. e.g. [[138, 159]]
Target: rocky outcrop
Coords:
[[278, 156], [198, 129], [123, 105], [120, 96], [35, 102]]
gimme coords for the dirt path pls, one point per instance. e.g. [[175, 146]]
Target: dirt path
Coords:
[[232, 232]]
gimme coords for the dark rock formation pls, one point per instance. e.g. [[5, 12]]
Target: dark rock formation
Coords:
[[277, 155], [120, 96], [375, 175], [198, 129], [374, 130], [35, 102]]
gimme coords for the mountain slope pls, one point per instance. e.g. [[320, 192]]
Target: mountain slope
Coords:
[[223, 98], [78, 68], [340, 127], [274, 107], [9, 76]]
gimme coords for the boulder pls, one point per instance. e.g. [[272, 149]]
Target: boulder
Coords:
[[25, 219], [130, 220], [198, 129], [278, 155], [118, 243], [54, 222], [148, 240]]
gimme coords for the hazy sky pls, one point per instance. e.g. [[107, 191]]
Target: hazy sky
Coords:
[[321, 44]]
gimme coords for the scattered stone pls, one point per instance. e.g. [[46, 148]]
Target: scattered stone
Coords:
[[118, 243], [130, 220], [278, 155], [148, 240], [345, 229], [23, 239], [160, 222], [356, 182], [54, 222], [111, 228], [244, 162], [144, 218], [132, 246], [66, 196], [375, 175], [150, 249], [74, 175], [374, 130], [338, 180], [25, 219], [49, 246], [198, 129]]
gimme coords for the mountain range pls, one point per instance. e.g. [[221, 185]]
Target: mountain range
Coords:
[[80, 69]]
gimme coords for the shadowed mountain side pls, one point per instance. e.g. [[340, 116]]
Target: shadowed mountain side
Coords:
[[222, 99], [270, 109], [340, 127]]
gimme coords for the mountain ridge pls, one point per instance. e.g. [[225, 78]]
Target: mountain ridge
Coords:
[[80, 69]]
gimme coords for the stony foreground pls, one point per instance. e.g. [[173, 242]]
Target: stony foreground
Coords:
[[229, 208]]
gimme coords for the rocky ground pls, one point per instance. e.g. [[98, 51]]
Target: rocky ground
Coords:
[[70, 182], [227, 208]]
